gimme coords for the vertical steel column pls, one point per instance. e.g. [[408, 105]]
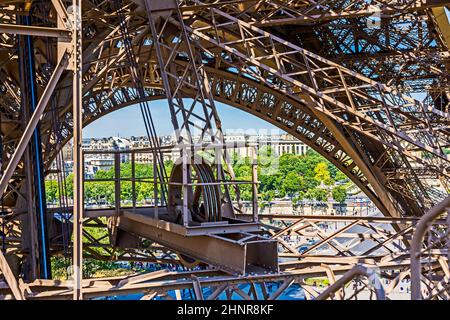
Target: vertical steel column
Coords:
[[78, 202], [155, 187], [29, 104], [186, 173], [254, 184], [29, 228], [133, 179], [25, 139], [117, 182]]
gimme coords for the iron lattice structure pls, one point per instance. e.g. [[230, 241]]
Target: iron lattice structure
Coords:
[[371, 95]]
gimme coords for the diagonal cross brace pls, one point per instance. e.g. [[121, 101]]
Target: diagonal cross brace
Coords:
[[10, 278], [25, 139]]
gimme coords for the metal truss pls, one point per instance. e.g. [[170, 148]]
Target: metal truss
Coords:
[[317, 72], [405, 192], [365, 239], [211, 284], [402, 124], [279, 13], [200, 114], [259, 100], [430, 255], [402, 40]]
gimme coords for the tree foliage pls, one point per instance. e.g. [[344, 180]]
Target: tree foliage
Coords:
[[308, 176], [339, 194]]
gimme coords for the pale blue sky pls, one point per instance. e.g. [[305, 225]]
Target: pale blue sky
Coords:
[[128, 121]]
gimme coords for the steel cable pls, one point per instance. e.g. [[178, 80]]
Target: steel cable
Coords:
[[144, 106]]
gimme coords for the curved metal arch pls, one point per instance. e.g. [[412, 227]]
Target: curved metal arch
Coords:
[[268, 105], [364, 154], [357, 271]]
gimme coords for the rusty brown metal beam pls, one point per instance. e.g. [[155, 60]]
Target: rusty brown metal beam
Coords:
[[63, 35], [78, 165], [10, 278], [45, 289], [242, 256], [20, 149]]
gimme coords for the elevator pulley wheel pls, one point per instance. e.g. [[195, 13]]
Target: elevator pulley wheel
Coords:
[[204, 197]]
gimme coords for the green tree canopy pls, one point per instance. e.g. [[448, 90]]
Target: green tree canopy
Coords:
[[339, 194], [317, 194], [51, 190], [292, 184]]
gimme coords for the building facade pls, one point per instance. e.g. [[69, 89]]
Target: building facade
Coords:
[[280, 144]]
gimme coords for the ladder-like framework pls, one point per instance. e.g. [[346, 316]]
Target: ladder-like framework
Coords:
[[196, 118]]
